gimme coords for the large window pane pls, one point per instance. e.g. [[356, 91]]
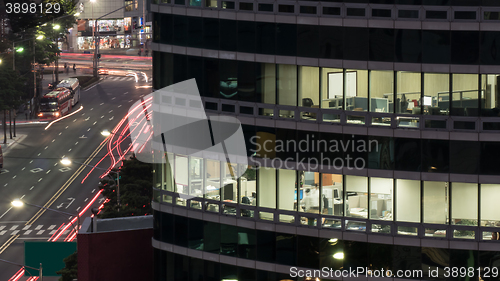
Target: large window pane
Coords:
[[381, 91], [287, 84], [266, 193], [356, 90], [381, 190], [408, 200], [332, 88], [229, 191], [212, 182], [332, 193], [489, 205], [309, 194], [436, 94], [286, 190], [435, 202], [465, 95], [464, 203], [196, 172], [181, 176], [266, 84], [228, 71], [248, 185], [309, 89], [246, 81], [436, 46], [356, 198], [408, 92]]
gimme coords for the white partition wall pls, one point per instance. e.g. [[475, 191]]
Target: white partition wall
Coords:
[[435, 202], [267, 187]]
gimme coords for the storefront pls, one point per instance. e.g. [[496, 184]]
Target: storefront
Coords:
[[113, 34]]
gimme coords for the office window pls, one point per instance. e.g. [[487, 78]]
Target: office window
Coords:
[[407, 203], [381, 91], [266, 84], [356, 43], [212, 182], [248, 185], [436, 94], [435, 156], [436, 46], [356, 197], [287, 84], [489, 205], [246, 6], [246, 81], [332, 88], [407, 153], [265, 34], [409, 45], [246, 36], [489, 92], [266, 188], [211, 3], [266, 7], [308, 247], [381, 190], [196, 175], [465, 95], [307, 41], [227, 5], [381, 45], [464, 203], [181, 176], [228, 71], [332, 194], [308, 10], [357, 12], [286, 249], [286, 39], [464, 157], [435, 202], [330, 41], [287, 190], [408, 92], [229, 191], [334, 11], [308, 89], [228, 31], [436, 14], [309, 193], [409, 14], [380, 152], [286, 8], [465, 47], [356, 90]]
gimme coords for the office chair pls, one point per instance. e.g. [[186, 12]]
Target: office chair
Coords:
[[307, 102]]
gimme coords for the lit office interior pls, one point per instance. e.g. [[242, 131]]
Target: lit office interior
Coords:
[[264, 193]]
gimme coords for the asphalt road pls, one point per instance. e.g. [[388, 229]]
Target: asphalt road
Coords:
[[34, 173]]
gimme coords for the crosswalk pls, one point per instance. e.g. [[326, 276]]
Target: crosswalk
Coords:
[[128, 78], [30, 230]]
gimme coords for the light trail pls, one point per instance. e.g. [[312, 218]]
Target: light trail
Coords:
[[64, 117]]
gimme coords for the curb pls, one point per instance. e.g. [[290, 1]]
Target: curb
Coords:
[[8, 145]]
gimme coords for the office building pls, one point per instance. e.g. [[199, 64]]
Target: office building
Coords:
[[373, 137]]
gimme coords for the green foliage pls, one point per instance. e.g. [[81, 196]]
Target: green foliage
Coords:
[[70, 271], [10, 91], [136, 179]]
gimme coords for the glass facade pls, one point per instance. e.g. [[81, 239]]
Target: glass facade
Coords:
[[392, 120]]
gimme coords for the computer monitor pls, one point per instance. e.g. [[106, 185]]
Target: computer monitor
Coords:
[[427, 101], [301, 194], [336, 194]]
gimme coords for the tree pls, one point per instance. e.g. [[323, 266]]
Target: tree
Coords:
[[70, 271], [10, 93], [135, 190]]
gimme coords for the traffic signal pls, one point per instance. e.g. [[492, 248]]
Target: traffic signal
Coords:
[[98, 56], [20, 49]]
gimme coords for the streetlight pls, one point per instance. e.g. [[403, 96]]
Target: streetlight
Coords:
[[66, 162], [18, 203]]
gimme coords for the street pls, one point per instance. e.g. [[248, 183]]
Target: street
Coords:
[[33, 172]]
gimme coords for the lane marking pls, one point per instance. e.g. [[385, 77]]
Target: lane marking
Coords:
[[60, 133], [69, 150], [26, 227], [88, 130], [53, 140], [48, 172], [86, 199], [14, 232], [31, 161], [39, 227], [23, 168], [14, 176], [93, 190], [5, 213], [27, 232], [51, 227], [14, 227], [94, 123], [40, 180], [40, 232], [36, 170], [31, 188], [101, 103], [76, 143]]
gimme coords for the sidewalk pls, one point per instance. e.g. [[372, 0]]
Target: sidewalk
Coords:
[[10, 142]]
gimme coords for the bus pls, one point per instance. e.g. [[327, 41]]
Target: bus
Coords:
[[56, 103], [74, 86]]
